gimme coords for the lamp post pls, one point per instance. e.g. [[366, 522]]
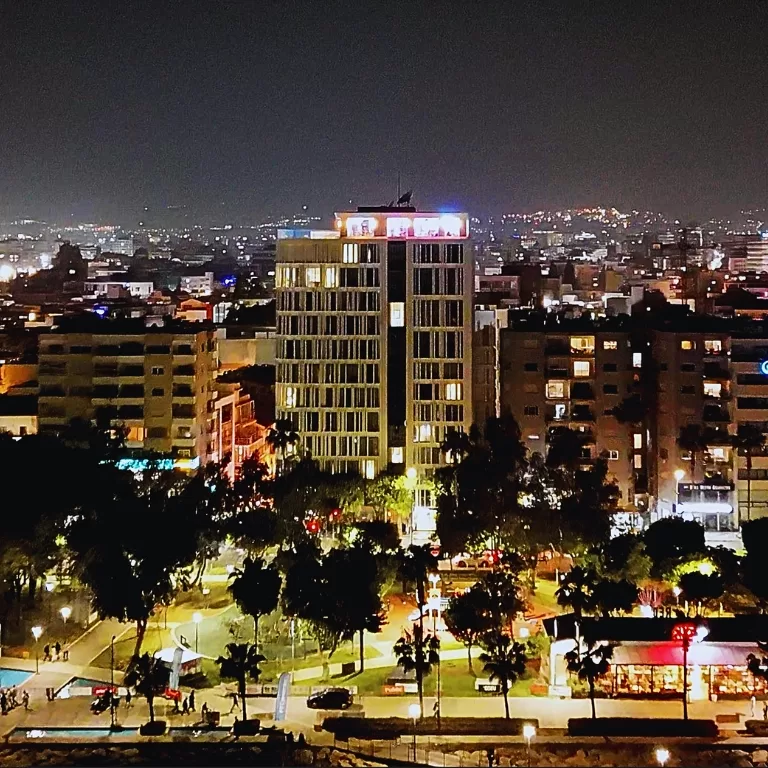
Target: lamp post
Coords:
[[112, 683], [65, 612], [676, 592], [529, 731], [36, 632], [197, 617], [662, 755], [414, 712], [684, 634]]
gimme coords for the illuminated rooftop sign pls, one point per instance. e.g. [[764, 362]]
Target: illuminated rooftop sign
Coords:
[[403, 226]]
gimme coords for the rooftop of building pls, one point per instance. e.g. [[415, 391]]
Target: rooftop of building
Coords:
[[18, 405], [89, 323]]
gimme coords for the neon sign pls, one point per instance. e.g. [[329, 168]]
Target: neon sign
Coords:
[[402, 227], [764, 367]]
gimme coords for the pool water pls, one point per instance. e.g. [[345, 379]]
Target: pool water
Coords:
[[11, 677], [67, 733]]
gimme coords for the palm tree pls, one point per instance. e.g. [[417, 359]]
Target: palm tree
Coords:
[[456, 446], [149, 676], [256, 590], [417, 652], [503, 660], [242, 661], [281, 437], [590, 666], [748, 441], [414, 566], [577, 590], [693, 439]]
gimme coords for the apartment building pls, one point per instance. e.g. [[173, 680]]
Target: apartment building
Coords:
[[573, 374], [157, 381], [374, 338]]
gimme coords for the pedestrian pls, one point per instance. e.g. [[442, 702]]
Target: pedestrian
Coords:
[[128, 698], [185, 707], [752, 703], [12, 697], [46, 652], [765, 710], [4, 703], [25, 699], [234, 729], [301, 741], [204, 711], [176, 710], [58, 649], [235, 704], [490, 753], [191, 701]]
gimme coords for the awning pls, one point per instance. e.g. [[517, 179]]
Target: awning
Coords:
[[166, 655], [669, 653]]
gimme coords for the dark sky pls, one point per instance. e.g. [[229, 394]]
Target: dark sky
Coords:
[[239, 109]]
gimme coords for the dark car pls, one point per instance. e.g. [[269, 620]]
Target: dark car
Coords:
[[330, 698]]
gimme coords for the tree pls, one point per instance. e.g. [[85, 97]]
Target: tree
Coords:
[[149, 676], [502, 595], [590, 666], [758, 665], [503, 660], [699, 588], [623, 557], [748, 441], [566, 448], [755, 537], [241, 662], [468, 617], [614, 596], [577, 591], [672, 538], [414, 566], [256, 590], [693, 440], [416, 652], [281, 437]]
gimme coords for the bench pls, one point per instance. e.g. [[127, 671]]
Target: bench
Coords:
[[728, 718]]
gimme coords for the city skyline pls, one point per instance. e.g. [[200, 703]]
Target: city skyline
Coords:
[[252, 109]]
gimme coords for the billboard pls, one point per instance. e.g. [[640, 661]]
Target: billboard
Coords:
[[402, 226]]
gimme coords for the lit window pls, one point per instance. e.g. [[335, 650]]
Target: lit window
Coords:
[[637, 359], [351, 253], [581, 369], [718, 454], [687, 344], [369, 469], [396, 314], [583, 344], [560, 411], [396, 455], [313, 277], [555, 389], [453, 391], [423, 433], [713, 389], [637, 440], [331, 277], [610, 345], [534, 437], [714, 346], [135, 434], [290, 397], [613, 455], [638, 461], [286, 277]]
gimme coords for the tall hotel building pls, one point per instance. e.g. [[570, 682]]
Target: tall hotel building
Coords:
[[374, 338]]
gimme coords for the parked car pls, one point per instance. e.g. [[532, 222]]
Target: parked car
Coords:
[[330, 698]]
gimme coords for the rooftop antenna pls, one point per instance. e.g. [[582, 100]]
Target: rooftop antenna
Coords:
[[398, 184]]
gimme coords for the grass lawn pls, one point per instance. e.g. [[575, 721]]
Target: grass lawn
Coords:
[[544, 601], [455, 680], [155, 638]]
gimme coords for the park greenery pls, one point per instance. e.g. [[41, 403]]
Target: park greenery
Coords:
[[324, 550]]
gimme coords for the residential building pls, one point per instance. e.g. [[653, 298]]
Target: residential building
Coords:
[[374, 339], [157, 381]]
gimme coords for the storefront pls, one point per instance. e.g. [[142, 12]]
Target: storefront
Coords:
[[646, 663]]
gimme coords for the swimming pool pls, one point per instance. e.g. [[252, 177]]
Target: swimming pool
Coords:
[[11, 677]]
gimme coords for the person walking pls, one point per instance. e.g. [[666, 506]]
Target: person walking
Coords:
[[3, 703], [191, 701], [752, 704], [185, 707], [235, 704], [25, 699], [128, 698], [57, 647], [12, 697], [46, 652]]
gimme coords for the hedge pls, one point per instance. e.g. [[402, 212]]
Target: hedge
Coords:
[[641, 726], [392, 727]]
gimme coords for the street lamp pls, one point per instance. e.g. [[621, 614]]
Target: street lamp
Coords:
[[36, 632], [685, 634], [414, 712], [65, 612], [197, 617], [676, 592], [112, 682], [662, 755], [529, 731]]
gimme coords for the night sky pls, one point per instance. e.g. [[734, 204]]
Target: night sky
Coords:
[[242, 109]]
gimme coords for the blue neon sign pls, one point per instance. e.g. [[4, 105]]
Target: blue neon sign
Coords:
[[764, 367]]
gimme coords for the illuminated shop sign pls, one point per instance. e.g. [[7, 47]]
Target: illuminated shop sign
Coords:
[[402, 227], [764, 367]]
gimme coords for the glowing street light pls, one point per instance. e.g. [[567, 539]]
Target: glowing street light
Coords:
[[676, 592], [411, 473], [679, 475], [529, 731], [414, 712], [36, 632], [65, 612], [197, 617], [662, 755]]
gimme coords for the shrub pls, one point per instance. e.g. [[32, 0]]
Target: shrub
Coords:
[[641, 726], [392, 727]]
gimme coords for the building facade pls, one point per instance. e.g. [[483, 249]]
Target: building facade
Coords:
[[157, 381], [374, 338]]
